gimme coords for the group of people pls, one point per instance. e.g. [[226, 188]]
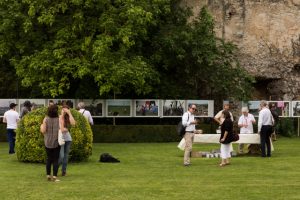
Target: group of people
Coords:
[[266, 122], [51, 125]]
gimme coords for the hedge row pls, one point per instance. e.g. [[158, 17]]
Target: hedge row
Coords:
[[129, 133]]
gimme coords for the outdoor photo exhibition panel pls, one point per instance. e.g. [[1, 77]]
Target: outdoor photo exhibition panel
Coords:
[[59, 102], [295, 108], [95, 106], [146, 108], [281, 107], [205, 108], [253, 106], [35, 103], [118, 108], [173, 108], [4, 105]]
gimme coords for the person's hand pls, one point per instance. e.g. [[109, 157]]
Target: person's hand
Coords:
[[222, 140]]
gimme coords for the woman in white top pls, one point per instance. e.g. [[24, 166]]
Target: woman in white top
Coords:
[[245, 123]]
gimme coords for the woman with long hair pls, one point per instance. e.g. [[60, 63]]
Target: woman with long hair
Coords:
[[66, 120], [49, 129], [226, 138]]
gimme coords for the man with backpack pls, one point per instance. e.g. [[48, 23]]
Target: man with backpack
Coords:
[[189, 122]]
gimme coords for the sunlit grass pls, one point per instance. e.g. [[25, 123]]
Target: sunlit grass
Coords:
[[155, 171]]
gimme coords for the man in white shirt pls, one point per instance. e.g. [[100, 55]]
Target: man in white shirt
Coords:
[[265, 122], [85, 113], [188, 120], [11, 117], [245, 123]]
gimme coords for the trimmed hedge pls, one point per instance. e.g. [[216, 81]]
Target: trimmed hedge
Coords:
[[30, 142], [139, 133]]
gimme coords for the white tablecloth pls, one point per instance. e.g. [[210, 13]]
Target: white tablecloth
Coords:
[[214, 138]]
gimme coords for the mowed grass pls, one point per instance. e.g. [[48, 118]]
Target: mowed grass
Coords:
[[155, 171]]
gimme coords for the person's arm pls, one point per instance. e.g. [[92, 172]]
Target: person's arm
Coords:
[[260, 116], [72, 120], [253, 120], [91, 119], [218, 117], [4, 119], [224, 136], [185, 121], [43, 127], [240, 123]]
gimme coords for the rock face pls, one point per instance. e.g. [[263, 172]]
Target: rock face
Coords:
[[267, 33]]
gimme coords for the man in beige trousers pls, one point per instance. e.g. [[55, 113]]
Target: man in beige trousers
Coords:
[[188, 120]]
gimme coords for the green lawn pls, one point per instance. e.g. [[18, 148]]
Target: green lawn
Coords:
[[155, 171]]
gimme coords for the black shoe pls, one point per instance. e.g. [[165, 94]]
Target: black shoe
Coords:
[[63, 173]]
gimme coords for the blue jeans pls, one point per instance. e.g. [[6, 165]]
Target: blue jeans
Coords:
[[64, 155], [11, 138]]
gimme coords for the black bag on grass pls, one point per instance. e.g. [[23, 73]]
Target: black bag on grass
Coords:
[[106, 157]]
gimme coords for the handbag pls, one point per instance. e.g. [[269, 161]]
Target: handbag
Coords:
[[61, 140], [235, 137]]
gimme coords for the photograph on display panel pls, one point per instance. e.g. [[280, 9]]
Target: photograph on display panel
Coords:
[[35, 103], [59, 102], [253, 106], [205, 108], [95, 106], [296, 108], [147, 108], [4, 105], [173, 108], [118, 108], [281, 107]]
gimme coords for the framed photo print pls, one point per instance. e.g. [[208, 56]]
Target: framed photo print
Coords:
[[35, 103], [173, 108], [59, 102], [118, 108], [95, 106], [281, 107], [253, 106], [296, 108], [4, 105], [205, 108], [146, 108]]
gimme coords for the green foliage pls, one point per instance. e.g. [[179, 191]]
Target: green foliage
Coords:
[[133, 48], [30, 145], [195, 63], [286, 127]]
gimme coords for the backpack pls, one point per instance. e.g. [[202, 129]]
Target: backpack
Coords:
[[106, 157], [181, 127]]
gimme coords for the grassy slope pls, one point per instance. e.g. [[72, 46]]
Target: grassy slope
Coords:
[[155, 171]]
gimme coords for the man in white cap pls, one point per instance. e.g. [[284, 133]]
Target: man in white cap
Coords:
[[245, 123]]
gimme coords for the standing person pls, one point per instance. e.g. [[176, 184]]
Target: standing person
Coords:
[[265, 123], [26, 108], [276, 119], [226, 138], [49, 129], [85, 113], [65, 121], [188, 120], [11, 118], [245, 123], [219, 117]]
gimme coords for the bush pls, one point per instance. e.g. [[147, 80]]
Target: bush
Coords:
[[286, 127], [30, 145]]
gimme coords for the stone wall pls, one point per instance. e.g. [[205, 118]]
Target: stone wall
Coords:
[[267, 33]]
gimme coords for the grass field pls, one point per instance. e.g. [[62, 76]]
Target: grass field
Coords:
[[155, 171]]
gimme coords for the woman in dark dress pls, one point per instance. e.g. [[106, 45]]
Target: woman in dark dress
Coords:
[[226, 138]]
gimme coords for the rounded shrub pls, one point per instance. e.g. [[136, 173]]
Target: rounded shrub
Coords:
[[30, 146]]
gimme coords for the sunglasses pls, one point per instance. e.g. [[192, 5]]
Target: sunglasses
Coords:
[[194, 108]]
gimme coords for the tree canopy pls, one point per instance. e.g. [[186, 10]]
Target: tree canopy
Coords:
[[132, 48]]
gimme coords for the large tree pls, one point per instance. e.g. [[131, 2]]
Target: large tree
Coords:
[[194, 62], [87, 48], [55, 43]]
